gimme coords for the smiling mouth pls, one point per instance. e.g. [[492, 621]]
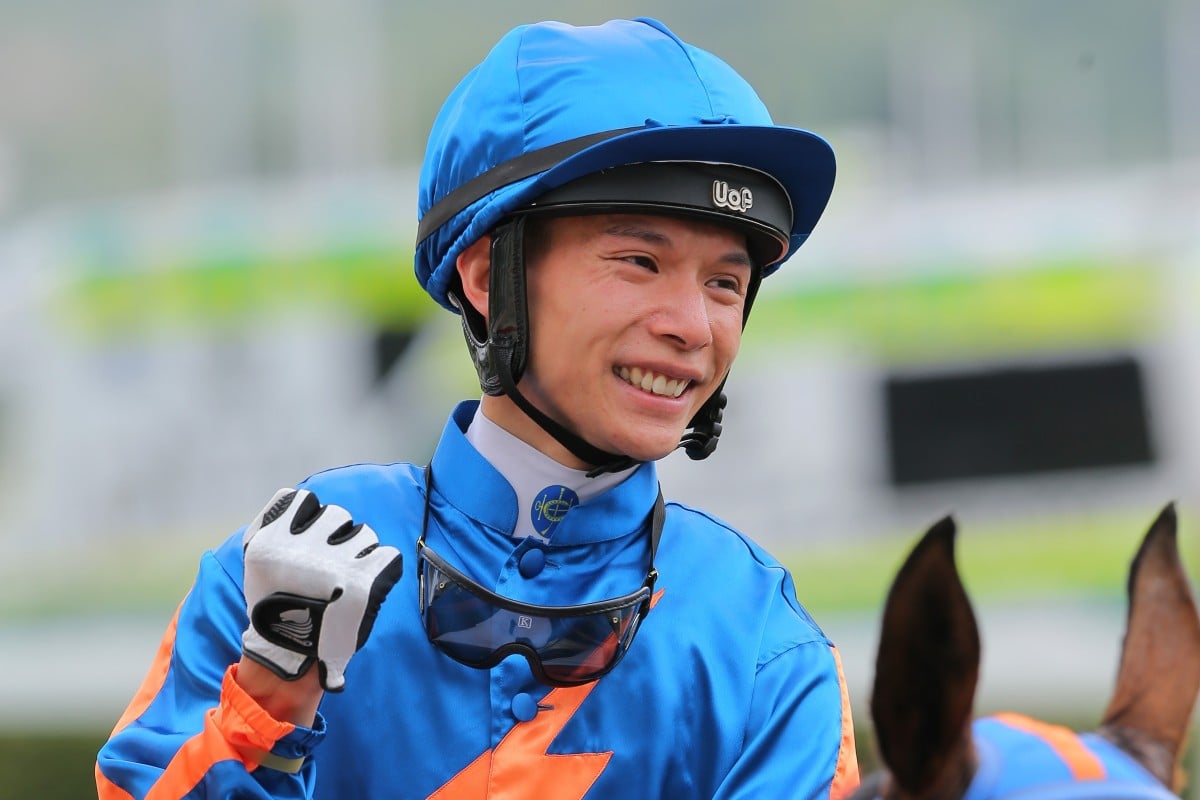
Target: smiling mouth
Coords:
[[652, 382]]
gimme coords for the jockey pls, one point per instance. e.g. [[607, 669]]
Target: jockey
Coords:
[[600, 205]]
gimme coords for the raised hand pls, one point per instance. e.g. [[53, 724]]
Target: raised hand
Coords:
[[314, 582]]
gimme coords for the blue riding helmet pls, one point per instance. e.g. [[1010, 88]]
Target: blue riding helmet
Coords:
[[586, 99], [619, 117]]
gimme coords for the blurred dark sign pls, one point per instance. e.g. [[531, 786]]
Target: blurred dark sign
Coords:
[[1016, 420]]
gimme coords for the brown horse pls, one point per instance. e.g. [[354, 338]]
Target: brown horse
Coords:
[[928, 664]]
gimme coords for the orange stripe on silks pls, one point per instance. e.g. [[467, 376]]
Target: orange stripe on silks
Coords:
[[519, 767], [195, 758], [845, 774], [239, 728], [470, 783], [156, 676], [107, 790], [244, 723], [1083, 763], [232, 731]]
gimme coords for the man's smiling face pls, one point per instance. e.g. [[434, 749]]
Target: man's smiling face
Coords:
[[634, 322]]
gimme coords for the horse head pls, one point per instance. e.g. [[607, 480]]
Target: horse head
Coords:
[[927, 668]]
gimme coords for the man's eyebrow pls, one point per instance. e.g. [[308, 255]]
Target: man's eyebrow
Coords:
[[631, 231], [650, 236], [738, 258]]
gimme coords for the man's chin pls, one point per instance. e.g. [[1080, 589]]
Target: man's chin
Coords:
[[645, 450]]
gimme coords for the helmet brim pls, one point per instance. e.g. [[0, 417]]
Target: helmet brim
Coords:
[[802, 162]]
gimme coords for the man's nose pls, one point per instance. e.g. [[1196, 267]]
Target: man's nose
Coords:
[[684, 316]]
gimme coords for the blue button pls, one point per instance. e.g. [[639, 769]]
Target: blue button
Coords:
[[524, 707], [532, 562]]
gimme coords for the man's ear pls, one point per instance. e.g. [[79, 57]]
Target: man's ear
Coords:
[[475, 272]]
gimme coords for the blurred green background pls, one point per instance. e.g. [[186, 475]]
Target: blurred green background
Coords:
[[204, 206]]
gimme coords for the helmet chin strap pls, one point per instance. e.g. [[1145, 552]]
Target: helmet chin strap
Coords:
[[700, 440], [499, 349], [602, 460]]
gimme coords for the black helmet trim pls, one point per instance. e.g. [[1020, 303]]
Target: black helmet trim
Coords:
[[728, 194], [499, 344], [503, 174]]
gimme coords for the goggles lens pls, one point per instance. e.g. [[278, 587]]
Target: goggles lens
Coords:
[[564, 645]]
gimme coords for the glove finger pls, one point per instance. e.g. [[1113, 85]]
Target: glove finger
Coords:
[[326, 521], [339, 631], [350, 615], [271, 511], [307, 510], [363, 556], [392, 568], [332, 675]]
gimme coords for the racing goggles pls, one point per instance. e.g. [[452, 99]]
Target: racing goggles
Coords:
[[564, 645]]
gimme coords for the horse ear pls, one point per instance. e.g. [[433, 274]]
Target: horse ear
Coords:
[[926, 670], [1159, 676]]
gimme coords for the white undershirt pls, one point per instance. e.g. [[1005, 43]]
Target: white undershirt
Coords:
[[529, 470]]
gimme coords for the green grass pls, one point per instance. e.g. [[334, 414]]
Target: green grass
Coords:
[[98, 578], [976, 313], [51, 766], [1080, 557]]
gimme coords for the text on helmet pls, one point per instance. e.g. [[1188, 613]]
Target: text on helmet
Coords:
[[725, 196]]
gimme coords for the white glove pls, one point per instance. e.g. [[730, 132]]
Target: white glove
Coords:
[[314, 582]]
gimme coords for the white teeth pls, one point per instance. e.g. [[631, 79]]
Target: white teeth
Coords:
[[649, 382]]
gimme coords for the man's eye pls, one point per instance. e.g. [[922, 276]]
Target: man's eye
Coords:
[[643, 261]]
